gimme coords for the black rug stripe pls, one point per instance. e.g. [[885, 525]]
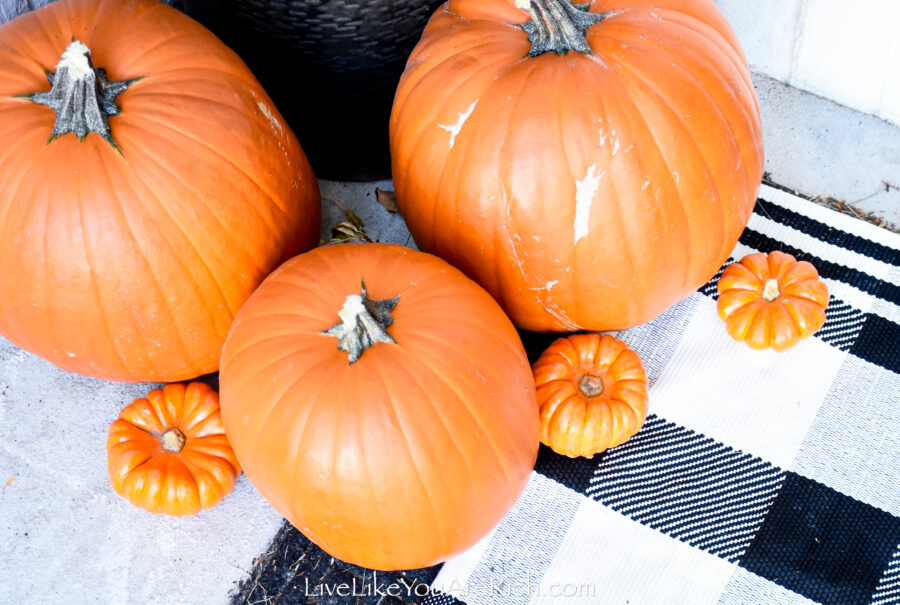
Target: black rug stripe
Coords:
[[843, 325], [853, 277], [440, 598], [791, 530], [823, 544], [879, 342], [687, 486], [827, 233], [295, 570]]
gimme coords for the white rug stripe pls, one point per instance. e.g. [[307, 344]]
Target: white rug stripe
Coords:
[[840, 450], [630, 563], [728, 402]]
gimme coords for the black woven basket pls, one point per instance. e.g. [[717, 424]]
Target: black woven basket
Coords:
[[331, 66]]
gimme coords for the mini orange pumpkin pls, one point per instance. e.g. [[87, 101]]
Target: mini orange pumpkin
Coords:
[[592, 391], [167, 452], [771, 300]]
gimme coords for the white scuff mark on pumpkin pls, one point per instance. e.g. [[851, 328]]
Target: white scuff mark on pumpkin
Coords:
[[550, 284], [531, 278], [455, 128], [615, 147], [508, 212], [677, 178], [645, 185], [277, 128], [602, 137], [559, 315], [71, 354], [536, 238], [584, 197], [627, 149]]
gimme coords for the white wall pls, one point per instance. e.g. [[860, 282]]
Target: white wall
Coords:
[[845, 51]]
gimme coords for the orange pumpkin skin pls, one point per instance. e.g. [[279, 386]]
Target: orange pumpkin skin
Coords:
[[582, 191], [408, 455], [129, 264], [771, 301], [592, 392], [172, 481]]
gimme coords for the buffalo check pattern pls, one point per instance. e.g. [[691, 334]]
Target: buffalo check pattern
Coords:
[[759, 477]]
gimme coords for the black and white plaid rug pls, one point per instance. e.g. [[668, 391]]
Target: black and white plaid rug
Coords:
[[759, 477]]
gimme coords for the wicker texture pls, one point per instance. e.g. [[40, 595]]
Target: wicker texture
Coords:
[[331, 66]]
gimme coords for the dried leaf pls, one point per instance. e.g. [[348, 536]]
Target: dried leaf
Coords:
[[11, 479], [353, 219], [351, 229], [346, 231], [388, 199]]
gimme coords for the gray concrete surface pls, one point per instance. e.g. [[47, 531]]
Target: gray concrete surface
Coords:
[[820, 148], [66, 537]]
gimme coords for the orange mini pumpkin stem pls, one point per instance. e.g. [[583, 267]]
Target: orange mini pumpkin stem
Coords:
[[172, 440], [590, 386], [770, 290]]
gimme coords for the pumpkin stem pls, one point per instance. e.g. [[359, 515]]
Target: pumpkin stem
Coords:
[[770, 290], [172, 440], [82, 97], [558, 26], [364, 322], [590, 386]]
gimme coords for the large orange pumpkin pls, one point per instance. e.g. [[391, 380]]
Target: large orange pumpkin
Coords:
[[393, 422], [589, 169], [137, 218]]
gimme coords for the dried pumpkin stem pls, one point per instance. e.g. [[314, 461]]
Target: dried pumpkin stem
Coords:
[[82, 97], [590, 386], [558, 26], [770, 290], [172, 440], [364, 322]]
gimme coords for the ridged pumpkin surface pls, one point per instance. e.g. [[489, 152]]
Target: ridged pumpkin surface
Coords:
[[130, 263], [583, 191], [410, 454], [592, 391], [167, 452], [771, 300]]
